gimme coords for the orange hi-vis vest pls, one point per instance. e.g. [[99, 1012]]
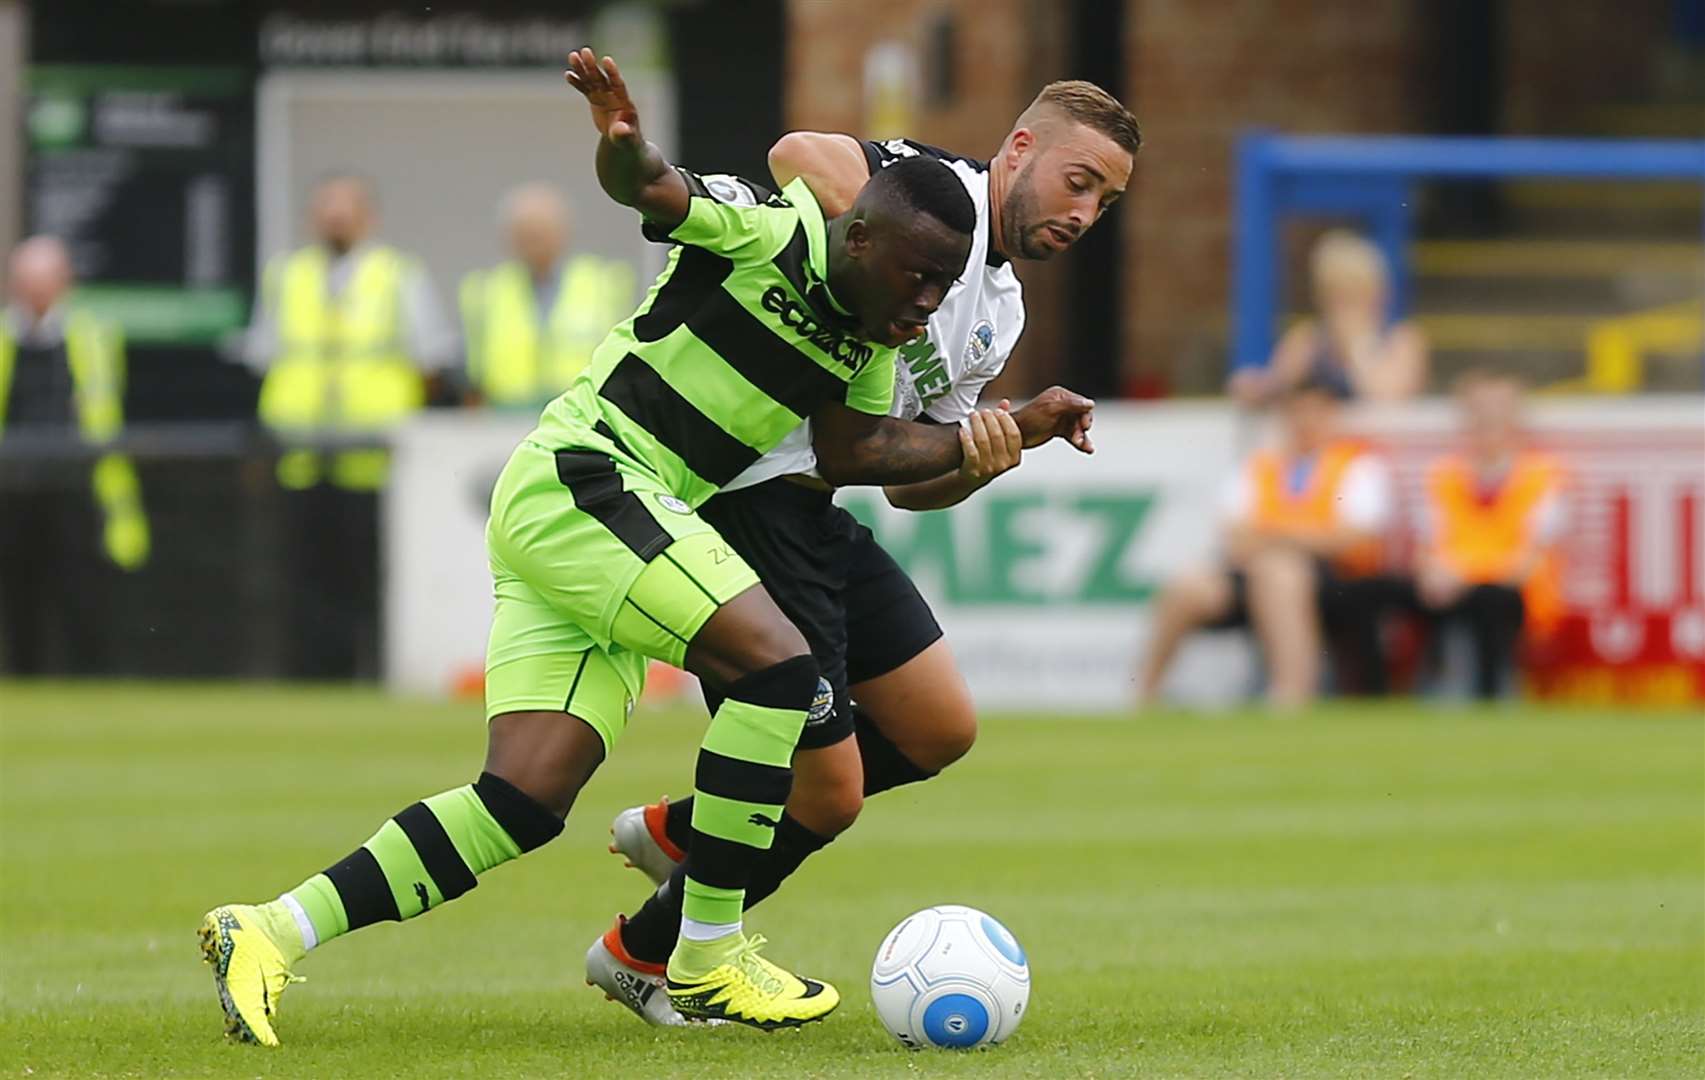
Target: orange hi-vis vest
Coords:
[[1483, 537], [1316, 505]]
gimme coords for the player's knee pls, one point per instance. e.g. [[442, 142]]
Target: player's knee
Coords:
[[954, 741], [746, 636], [548, 757], [830, 805], [951, 733], [788, 684]]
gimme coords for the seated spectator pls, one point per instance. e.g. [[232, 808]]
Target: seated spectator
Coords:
[[1351, 345], [1301, 521], [1491, 521]]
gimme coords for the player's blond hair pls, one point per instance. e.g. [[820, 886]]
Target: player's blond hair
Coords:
[[1087, 104]]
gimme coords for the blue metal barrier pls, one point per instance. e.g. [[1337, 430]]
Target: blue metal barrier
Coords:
[[1371, 178]]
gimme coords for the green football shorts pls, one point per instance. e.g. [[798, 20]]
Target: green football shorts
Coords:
[[596, 567]]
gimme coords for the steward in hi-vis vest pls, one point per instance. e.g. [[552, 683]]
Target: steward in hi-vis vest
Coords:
[[529, 324], [345, 331]]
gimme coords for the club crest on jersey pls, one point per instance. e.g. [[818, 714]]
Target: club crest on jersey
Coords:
[[729, 189], [674, 505], [982, 339]]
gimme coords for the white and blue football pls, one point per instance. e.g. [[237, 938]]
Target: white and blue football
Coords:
[[951, 977]]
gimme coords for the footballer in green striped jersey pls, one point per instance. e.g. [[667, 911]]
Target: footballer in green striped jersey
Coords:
[[767, 315]]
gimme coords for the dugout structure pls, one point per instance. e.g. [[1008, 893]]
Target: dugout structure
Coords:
[[1373, 178]]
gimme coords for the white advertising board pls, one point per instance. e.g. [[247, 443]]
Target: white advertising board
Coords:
[[1042, 581]]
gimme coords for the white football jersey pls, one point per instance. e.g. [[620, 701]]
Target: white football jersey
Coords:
[[940, 376]]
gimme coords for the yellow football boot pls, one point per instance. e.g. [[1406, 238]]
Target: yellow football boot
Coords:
[[249, 971], [744, 988]]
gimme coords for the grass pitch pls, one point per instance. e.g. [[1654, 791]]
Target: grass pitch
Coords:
[[1359, 892]]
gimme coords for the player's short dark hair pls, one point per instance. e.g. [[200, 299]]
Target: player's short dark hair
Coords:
[[926, 186], [1087, 104]]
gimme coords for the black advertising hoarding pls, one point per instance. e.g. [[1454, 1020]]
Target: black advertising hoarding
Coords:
[[147, 173]]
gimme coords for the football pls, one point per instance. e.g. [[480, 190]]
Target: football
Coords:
[[951, 977]]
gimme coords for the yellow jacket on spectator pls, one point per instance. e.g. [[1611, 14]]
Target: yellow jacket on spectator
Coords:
[[524, 344], [344, 340], [93, 353]]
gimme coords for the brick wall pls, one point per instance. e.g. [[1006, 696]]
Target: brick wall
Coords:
[[1004, 51], [1200, 74]]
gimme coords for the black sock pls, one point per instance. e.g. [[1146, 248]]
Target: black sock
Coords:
[[678, 823], [650, 934], [885, 767]]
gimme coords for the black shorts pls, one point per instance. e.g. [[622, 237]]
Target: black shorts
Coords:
[[858, 611]]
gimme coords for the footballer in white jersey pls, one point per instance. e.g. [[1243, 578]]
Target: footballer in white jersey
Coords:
[[892, 707], [940, 376]]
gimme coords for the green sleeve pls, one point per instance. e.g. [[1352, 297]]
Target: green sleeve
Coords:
[[872, 389], [731, 217]]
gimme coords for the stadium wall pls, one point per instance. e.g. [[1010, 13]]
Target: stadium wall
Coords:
[[1043, 581]]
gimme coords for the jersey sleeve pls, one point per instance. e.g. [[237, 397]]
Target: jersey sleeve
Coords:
[[872, 389], [880, 155], [730, 216]]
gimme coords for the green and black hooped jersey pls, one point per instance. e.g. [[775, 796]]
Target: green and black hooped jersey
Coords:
[[736, 344]]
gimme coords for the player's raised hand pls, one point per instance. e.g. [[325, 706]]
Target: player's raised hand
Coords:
[[1057, 413], [613, 110]]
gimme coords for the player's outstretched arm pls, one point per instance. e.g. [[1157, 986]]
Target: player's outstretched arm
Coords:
[[832, 165], [632, 171], [857, 448], [1057, 413]]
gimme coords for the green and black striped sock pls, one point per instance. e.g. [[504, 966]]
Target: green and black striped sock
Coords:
[[431, 852], [740, 786]]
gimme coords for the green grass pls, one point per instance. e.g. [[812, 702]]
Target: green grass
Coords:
[[1360, 892]]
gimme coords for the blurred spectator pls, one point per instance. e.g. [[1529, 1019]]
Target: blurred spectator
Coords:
[[344, 330], [1351, 345], [61, 374], [347, 331], [1303, 522], [530, 324], [1492, 519]]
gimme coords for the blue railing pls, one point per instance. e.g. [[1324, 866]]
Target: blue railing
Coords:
[[1372, 178]]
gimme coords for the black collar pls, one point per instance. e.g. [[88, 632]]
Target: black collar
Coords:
[[994, 260]]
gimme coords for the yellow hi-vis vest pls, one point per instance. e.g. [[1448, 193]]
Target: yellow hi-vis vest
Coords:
[[94, 351], [515, 358], [341, 366]]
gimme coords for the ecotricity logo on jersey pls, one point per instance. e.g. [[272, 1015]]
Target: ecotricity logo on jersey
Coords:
[[798, 318], [671, 503]]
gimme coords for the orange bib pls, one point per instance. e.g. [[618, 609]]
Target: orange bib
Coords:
[[1316, 505]]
